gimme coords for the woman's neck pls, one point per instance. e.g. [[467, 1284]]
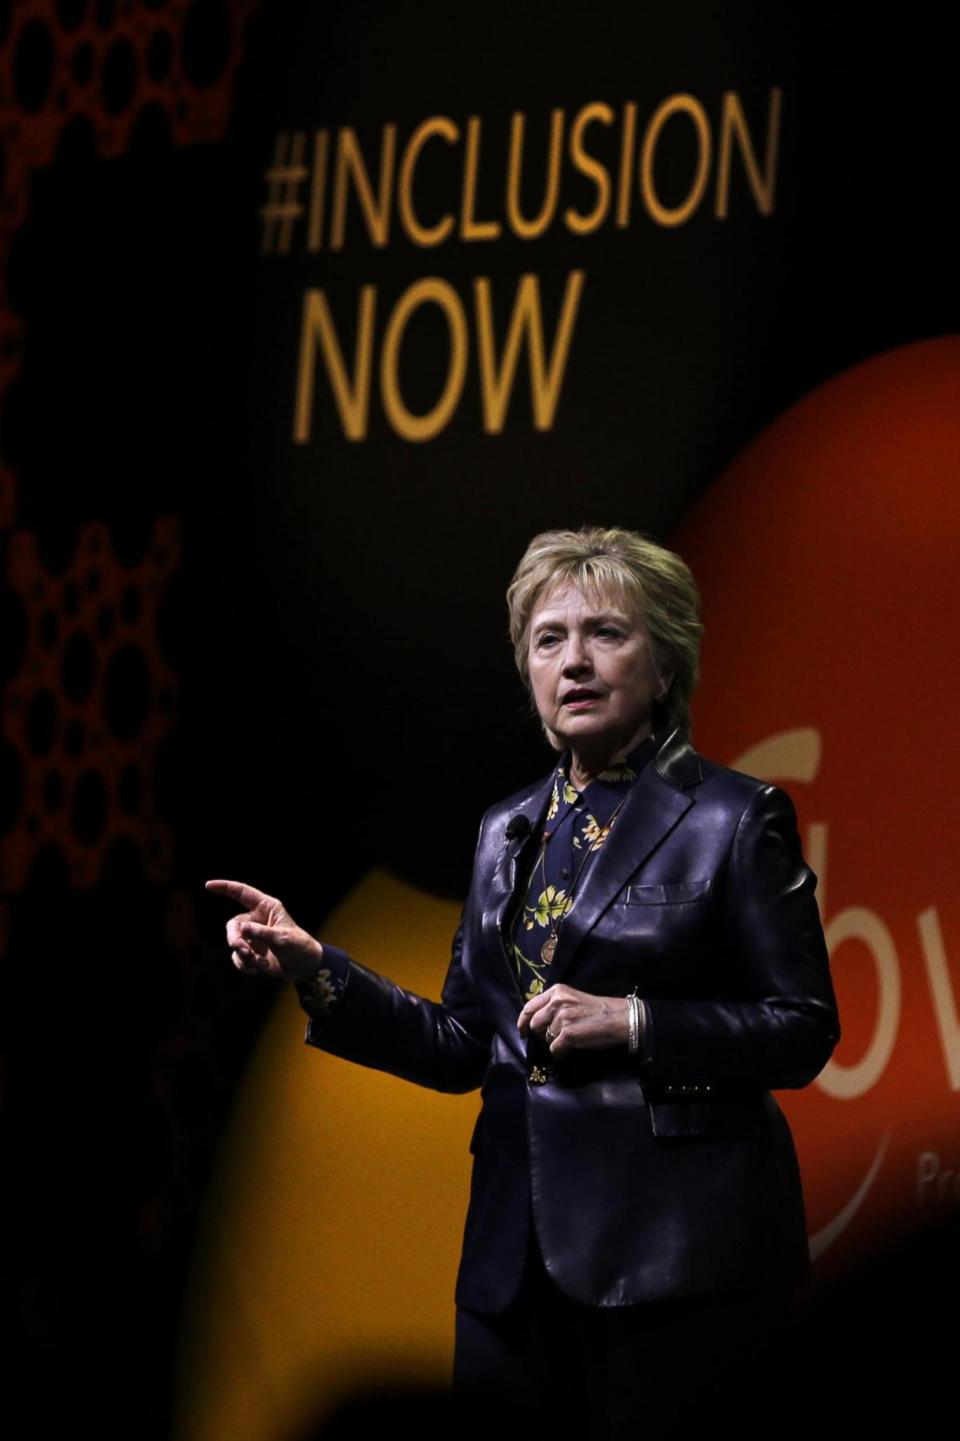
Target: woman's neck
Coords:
[[587, 764]]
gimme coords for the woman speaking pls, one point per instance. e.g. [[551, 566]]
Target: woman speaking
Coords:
[[639, 962]]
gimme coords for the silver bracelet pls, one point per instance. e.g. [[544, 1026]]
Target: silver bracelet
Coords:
[[633, 1023]]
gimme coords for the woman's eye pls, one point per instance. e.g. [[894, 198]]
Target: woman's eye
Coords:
[[546, 639], [608, 630]]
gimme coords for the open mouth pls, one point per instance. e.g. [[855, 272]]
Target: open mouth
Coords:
[[580, 697]]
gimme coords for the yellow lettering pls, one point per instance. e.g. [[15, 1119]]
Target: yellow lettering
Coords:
[[673, 105], [423, 234], [496, 384], [530, 229], [405, 423], [589, 166], [318, 188], [470, 227], [625, 188], [350, 165], [734, 122], [353, 400]]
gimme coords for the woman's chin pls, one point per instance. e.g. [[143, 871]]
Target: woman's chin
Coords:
[[588, 729]]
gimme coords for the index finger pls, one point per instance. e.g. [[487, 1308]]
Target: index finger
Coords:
[[244, 895], [533, 1005]]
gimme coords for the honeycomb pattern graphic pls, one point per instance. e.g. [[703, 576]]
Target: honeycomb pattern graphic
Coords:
[[89, 706], [107, 62]]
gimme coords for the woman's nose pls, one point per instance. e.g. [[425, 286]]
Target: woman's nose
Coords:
[[576, 657]]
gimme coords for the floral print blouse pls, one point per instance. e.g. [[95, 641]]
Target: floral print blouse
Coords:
[[576, 826]]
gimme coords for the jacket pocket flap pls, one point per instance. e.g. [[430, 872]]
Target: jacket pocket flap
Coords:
[[720, 1120], [668, 893]]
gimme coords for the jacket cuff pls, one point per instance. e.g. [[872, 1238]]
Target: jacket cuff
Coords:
[[644, 1026], [320, 993]]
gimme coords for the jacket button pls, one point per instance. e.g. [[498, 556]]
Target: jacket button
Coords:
[[538, 1076]]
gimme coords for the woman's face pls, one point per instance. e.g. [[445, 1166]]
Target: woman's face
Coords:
[[591, 670]]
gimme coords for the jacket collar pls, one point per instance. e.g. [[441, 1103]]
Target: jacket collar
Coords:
[[678, 763]]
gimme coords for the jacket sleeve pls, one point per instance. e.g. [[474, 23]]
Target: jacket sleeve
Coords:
[[364, 1017], [777, 1025]]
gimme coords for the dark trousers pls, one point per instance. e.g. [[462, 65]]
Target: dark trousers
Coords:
[[611, 1372]]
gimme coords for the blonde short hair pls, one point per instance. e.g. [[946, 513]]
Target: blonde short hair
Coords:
[[652, 582]]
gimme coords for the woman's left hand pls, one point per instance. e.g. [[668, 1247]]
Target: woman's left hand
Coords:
[[571, 1020]]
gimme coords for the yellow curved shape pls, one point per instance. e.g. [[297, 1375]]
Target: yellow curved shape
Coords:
[[333, 1226]]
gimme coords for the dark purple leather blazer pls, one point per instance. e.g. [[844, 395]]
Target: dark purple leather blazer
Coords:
[[670, 1177]]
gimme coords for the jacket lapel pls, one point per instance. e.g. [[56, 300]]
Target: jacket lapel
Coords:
[[653, 807], [503, 883]]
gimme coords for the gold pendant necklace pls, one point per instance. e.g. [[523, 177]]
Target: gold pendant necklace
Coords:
[[549, 948]]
